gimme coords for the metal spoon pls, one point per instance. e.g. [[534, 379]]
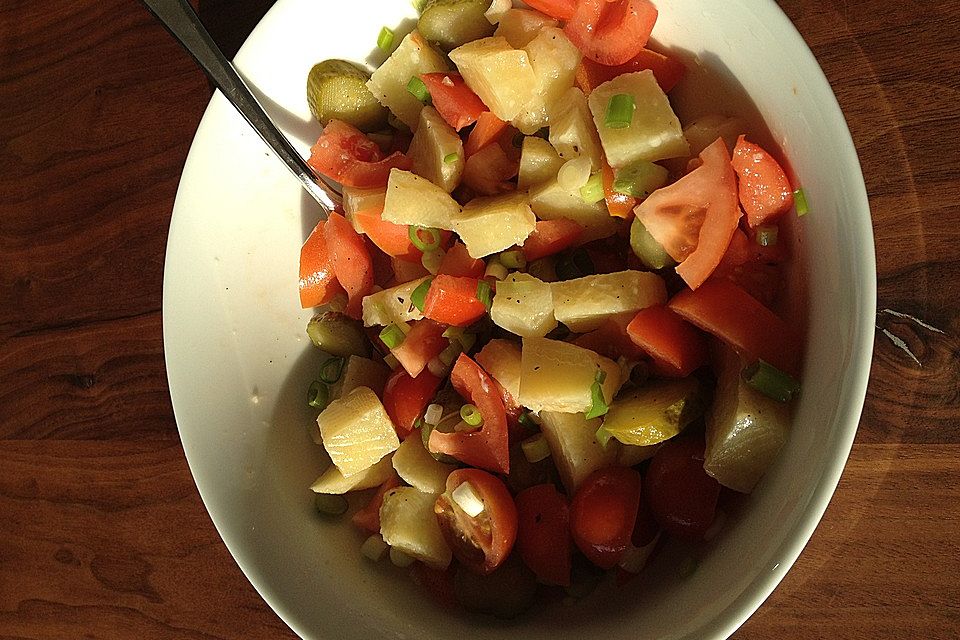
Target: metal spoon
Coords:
[[182, 22]]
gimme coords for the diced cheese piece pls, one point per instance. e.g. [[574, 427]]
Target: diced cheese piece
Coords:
[[420, 469], [524, 305], [492, 224], [356, 431], [332, 481], [501, 359], [408, 523], [572, 132], [584, 303], [558, 376], [551, 201], [412, 199], [654, 132], [574, 447], [499, 74], [413, 56], [391, 305]]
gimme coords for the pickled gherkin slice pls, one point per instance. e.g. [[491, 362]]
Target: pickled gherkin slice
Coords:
[[651, 253], [451, 23], [655, 412], [337, 90]]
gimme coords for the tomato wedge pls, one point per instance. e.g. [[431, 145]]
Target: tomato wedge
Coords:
[[344, 154], [351, 261], [424, 343], [392, 239], [611, 32], [682, 497], [458, 262], [452, 300], [550, 237], [603, 512], [618, 204], [318, 283], [368, 517], [543, 533], [668, 71], [695, 217], [726, 311], [559, 9], [765, 191], [487, 130], [675, 346], [489, 447], [483, 541], [405, 398], [453, 99]]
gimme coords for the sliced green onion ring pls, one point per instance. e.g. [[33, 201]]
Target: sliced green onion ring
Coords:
[[419, 296], [431, 260], [417, 89], [450, 158], [318, 395], [770, 381], [392, 336], [385, 39], [513, 259], [535, 448], [331, 370], [800, 201], [424, 238], [484, 294], [592, 191], [471, 415], [619, 112]]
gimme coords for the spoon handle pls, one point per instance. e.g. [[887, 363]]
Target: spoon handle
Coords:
[[182, 22]]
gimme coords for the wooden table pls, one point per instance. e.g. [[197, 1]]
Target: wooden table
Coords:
[[102, 533]]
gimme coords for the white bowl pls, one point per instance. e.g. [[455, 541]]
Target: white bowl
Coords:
[[239, 362]]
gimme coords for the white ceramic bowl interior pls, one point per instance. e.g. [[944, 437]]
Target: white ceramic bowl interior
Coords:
[[239, 362]]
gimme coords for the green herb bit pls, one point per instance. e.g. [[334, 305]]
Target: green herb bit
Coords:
[[417, 89], [598, 405], [385, 39], [592, 191], [513, 259], [392, 336], [526, 421], [535, 448], [450, 158], [318, 395], [419, 296], [619, 112], [424, 238], [471, 415], [800, 201], [484, 294], [331, 370], [770, 381]]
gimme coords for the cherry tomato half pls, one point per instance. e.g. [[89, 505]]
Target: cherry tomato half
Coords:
[[682, 497], [603, 514], [543, 533]]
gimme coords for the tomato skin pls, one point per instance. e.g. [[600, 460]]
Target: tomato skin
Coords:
[[603, 513], [486, 131], [675, 346], [765, 191], [351, 261], [550, 237], [668, 71], [344, 154], [682, 497], [726, 311], [453, 99], [695, 217], [424, 343], [392, 239], [368, 518], [489, 447], [611, 32], [484, 542], [405, 398], [559, 9], [618, 204], [543, 533], [452, 300], [457, 262], [318, 282]]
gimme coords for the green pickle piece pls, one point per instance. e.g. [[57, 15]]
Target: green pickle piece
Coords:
[[655, 412], [337, 90], [451, 23], [650, 252], [338, 334]]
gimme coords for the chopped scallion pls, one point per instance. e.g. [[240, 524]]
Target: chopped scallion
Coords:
[[484, 294], [330, 505], [526, 421], [513, 259], [495, 269], [640, 179], [471, 415], [770, 381], [318, 395], [598, 406], [391, 361], [431, 260], [392, 336], [603, 437], [419, 296], [465, 497], [374, 548], [450, 158], [767, 235], [417, 89], [619, 112], [385, 39], [450, 353], [800, 201], [424, 238], [433, 414], [592, 191], [331, 370], [535, 448]]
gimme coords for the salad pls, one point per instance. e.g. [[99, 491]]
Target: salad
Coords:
[[551, 313]]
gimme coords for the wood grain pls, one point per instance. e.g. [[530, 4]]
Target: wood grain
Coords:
[[102, 533]]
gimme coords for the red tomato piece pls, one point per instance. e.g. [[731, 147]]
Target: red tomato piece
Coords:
[[453, 99], [618, 204], [488, 447], [368, 518], [668, 71], [452, 300], [487, 130], [458, 263], [695, 217], [611, 32], [488, 170], [344, 154], [675, 346], [351, 261], [543, 533], [482, 542], [559, 9], [765, 191], [550, 237], [603, 513], [392, 239], [682, 497], [405, 398], [318, 283], [725, 310], [424, 343], [611, 339]]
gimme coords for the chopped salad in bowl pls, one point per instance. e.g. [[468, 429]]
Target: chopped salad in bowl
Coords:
[[554, 316]]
